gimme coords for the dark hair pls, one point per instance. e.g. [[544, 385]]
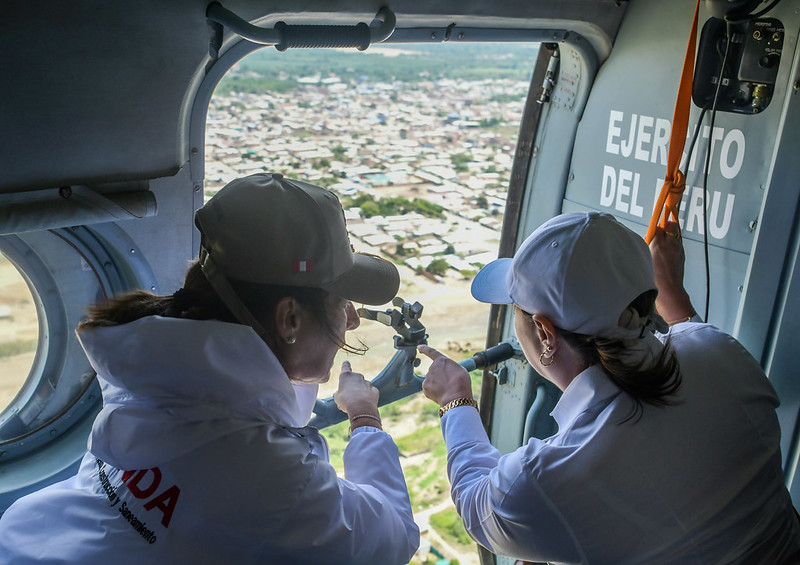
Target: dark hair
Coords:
[[654, 384], [198, 300]]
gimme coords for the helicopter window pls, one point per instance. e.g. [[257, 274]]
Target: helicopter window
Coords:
[[19, 331], [418, 142], [48, 388]]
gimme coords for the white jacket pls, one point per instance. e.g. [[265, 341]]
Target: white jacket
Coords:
[[200, 455]]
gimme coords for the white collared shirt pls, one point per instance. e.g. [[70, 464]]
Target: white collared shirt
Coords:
[[696, 482]]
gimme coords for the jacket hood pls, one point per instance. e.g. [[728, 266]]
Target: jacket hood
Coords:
[[171, 385]]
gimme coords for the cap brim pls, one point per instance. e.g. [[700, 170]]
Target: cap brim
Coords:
[[372, 281], [491, 283]]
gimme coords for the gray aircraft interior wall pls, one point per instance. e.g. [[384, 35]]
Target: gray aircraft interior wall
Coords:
[[618, 166], [619, 158], [611, 156]]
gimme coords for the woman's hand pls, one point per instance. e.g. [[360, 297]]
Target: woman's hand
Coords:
[[358, 398], [666, 247], [446, 380]]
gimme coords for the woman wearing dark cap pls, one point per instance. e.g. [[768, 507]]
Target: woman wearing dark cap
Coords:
[[201, 452], [668, 449]]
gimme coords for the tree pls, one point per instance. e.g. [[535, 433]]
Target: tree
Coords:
[[370, 208], [438, 267]]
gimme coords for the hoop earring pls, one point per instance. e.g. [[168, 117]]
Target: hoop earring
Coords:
[[541, 357]]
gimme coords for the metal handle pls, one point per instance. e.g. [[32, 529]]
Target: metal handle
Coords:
[[397, 380], [285, 36]]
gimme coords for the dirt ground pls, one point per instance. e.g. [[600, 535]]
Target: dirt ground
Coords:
[[455, 322]]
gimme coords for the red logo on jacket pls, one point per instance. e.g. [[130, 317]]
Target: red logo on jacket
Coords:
[[144, 484]]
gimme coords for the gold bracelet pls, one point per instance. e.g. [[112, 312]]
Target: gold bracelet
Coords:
[[457, 402], [370, 416], [681, 320]]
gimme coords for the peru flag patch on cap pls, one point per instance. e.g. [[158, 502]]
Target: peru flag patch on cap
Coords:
[[303, 266]]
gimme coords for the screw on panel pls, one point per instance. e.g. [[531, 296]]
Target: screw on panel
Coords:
[[751, 226], [740, 288], [433, 35], [461, 35]]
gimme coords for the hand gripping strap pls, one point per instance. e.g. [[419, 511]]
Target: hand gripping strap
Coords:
[[675, 181]]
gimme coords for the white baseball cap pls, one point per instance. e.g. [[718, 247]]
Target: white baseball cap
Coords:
[[580, 270], [267, 229]]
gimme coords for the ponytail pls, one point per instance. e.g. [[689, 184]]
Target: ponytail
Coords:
[[654, 382], [198, 300], [195, 301]]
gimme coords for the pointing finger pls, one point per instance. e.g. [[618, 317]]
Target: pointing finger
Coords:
[[430, 352]]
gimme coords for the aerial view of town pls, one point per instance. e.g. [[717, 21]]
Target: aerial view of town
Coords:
[[418, 143]]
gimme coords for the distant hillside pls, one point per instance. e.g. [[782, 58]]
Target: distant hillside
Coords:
[[269, 69]]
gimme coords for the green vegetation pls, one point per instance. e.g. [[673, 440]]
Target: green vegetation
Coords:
[[460, 161], [252, 84], [450, 527], [395, 206], [438, 267], [337, 437], [422, 439], [10, 348], [265, 70]]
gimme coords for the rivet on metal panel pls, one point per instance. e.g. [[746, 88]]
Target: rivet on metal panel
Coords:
[[461, 35], [740, 288], [572, 176], [433, 35], [751, 226]]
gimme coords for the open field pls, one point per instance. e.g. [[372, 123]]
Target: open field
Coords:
[[19, 331]]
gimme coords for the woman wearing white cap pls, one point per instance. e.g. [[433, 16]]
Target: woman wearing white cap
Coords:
[[668, 447], [201, 453]]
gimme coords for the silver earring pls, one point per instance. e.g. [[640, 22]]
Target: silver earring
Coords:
[[291, 340], [541, 357]]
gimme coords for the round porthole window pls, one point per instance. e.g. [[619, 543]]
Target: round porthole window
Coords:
[[48, 394]]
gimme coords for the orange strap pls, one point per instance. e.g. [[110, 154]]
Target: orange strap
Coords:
[[675, 181]]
